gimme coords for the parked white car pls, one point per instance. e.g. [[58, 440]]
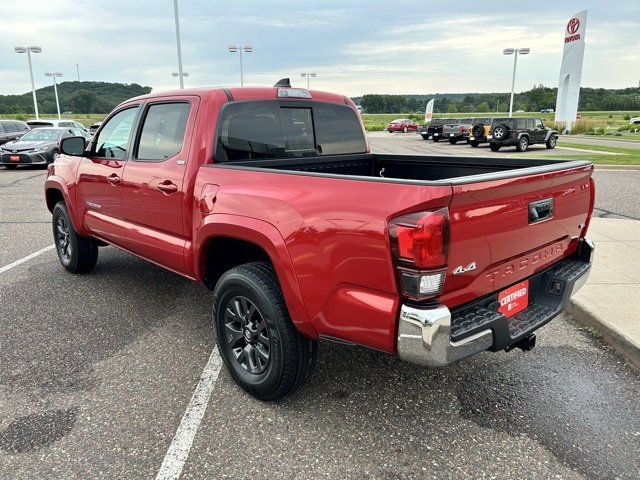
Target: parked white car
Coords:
[[634, 120]]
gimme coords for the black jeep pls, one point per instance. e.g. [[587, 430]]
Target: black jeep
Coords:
[[520, 132]]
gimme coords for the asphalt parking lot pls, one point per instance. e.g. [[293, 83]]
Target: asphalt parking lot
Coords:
[[97, 371]]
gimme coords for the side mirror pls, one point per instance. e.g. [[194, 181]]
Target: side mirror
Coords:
[[73, 146]]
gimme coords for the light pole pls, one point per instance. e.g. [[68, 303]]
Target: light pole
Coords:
[[240, 49], [515, 52], [29, 51], [55, 88], [180, 72], [184, 75], [308, 76], [78, 71]]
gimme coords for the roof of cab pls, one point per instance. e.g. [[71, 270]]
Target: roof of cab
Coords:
[[241, 93]]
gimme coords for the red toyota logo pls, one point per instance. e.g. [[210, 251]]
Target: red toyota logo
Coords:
[[573, 25]]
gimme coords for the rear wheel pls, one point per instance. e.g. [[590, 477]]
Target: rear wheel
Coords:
[[10, 167], [263, 351], [453, 141], [77, 254], [552, 141], [436, 139], [474, 144], [425, 137], [523, 144], [494, 147]]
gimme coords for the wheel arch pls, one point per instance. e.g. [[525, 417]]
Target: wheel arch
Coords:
[[55, 190], [224, 241]]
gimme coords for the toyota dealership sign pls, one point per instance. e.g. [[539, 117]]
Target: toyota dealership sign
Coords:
[[571, 69]]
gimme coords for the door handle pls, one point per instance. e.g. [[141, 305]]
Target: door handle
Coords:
[[167, 187], [114, 179]]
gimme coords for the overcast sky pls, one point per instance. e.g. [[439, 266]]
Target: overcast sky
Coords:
[[355, 47]]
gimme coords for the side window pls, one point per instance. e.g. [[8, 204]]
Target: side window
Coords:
[[23, 127], [520, 123], [10, 127], [531, 123], [76, 132], [113, 140], [65, 124], [539, 123], [1, 128], [162, 132]]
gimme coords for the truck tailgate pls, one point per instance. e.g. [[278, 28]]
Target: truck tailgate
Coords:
[[503, 231]]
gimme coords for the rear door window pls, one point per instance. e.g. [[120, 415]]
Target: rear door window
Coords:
[[520, 123], [267, 129], [531, 123], [162, 133], [10, 127]]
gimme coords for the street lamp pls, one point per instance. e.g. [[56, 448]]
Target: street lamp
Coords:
[[515, 52], [180, 72], [308, 76], [240, 49], [55, 88], [29, 51], [184, 75]]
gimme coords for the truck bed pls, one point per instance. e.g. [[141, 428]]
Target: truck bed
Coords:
[[410, 168]]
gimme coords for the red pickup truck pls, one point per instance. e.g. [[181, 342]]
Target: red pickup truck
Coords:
[[271, 198]]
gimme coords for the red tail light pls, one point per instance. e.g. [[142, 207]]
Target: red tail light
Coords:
[[461, 129], [422, 238], [420, 244]]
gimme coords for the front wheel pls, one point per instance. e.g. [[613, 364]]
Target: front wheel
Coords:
[[552, 141], [523, 144], [54, 156], [77, 254], [261, 348], [436, 139]]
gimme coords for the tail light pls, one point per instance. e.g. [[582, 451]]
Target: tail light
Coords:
[[461, 129], [420, 246]]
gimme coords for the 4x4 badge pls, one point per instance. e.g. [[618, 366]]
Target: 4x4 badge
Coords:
[[460, 269]]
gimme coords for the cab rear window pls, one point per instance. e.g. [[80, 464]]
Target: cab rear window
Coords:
[[271, 129]]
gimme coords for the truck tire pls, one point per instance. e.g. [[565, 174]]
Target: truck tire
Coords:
[[261, 348], [500, 132], [477, 130], [494, 147], [453, 141], [436, 139], [77, 254], [552, 141], [523, 144], [425, 137], [474, 143], [10, 167]]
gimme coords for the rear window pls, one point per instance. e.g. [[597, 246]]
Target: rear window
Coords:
[[268, 129]]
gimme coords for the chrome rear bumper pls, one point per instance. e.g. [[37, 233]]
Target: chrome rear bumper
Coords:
[[425, 334]]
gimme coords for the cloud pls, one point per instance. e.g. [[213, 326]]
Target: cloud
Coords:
[[355, 47]]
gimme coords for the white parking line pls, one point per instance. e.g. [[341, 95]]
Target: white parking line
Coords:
[[178, 452], [26, 259]]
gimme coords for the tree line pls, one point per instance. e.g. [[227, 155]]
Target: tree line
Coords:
[[77, 97], [538, 98]]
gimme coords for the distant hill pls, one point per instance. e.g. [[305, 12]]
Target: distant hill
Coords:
[[539, 97], [77, 97]]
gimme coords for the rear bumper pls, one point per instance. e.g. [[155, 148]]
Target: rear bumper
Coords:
[[437, 336]]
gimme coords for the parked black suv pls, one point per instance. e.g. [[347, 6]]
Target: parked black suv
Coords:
[[12, 130], [520, 132]]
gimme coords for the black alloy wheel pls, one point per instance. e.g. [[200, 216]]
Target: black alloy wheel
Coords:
[[247, 335], [63, 240]]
